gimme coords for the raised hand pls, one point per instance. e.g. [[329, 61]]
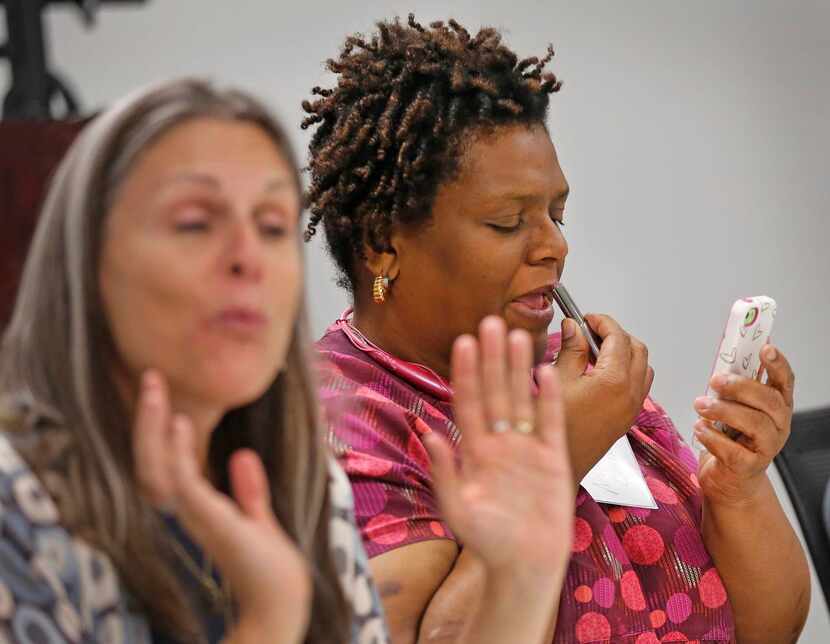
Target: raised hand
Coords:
[[510, 496], [732, 471], [266, 571]]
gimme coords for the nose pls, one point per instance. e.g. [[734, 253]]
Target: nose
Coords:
[[547, 243], [244, 256]]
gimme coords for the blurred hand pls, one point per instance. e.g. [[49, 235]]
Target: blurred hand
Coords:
[[600, 404], [732, 471], [510, 496], [265, 569]]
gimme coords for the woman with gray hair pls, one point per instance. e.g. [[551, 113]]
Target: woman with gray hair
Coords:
[[154, 365], [162, 474]]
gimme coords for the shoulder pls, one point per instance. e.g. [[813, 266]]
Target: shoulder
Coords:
[[51, 580], [343, 370], [334, 346], [33, 552], [367, 407], [342, 367], [21, 491]]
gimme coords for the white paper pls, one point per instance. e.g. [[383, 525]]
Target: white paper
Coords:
[[617, 479]]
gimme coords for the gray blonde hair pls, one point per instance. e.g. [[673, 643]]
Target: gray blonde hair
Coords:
[[57, 356]]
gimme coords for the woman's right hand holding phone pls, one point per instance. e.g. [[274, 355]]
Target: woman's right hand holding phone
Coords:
[[601, 403]]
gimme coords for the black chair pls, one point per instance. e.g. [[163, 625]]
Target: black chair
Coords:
[[804, 465]]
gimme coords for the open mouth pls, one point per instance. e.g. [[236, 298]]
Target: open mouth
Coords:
[[536, 301], [536, 306]]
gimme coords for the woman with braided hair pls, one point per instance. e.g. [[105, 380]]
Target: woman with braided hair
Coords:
[[438, 186]]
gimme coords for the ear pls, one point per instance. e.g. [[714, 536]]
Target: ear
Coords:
[[386, 263]]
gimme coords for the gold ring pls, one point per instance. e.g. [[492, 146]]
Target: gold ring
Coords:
[[523, 427]]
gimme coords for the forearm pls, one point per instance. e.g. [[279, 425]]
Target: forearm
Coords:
[[762, 565], [255, 631], [250, 634], [512, 609], [468, 604]]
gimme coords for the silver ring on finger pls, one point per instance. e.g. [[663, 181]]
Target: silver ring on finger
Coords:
[[501, 426]]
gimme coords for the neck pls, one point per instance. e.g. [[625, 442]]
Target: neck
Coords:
[[204, 420], [385, 326]]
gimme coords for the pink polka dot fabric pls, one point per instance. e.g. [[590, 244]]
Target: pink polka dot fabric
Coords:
[[636, 576]]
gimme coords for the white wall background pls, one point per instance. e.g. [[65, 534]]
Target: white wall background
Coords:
[[694, 137]]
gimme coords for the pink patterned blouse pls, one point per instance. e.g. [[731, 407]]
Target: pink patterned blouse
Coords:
[[636, 576]]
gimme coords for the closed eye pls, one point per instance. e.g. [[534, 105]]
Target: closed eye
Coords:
[[272, 221], [193, 217], [191, 226], [272, 230], [505, 229], [506, 225]]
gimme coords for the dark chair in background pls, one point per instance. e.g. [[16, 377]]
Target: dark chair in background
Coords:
[[34, 131], [29, 153], [804, 465]]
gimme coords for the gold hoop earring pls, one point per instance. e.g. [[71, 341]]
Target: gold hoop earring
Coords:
[[379, 289]]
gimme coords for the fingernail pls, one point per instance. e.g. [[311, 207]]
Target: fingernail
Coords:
[[149, 379], [464, 342], [772, 354], [700, 427], [719, 380], [703, 403], [151, 392], [568, 328], [491, 325]]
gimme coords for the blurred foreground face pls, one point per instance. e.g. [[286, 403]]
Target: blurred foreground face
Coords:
[[200, 269]]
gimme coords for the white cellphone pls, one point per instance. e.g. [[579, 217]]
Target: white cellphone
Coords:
[[747, 331]]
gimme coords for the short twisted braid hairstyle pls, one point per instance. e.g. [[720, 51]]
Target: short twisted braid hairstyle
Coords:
[[390, 132]]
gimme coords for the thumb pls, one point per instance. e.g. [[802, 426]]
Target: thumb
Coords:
[[574, 355]]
